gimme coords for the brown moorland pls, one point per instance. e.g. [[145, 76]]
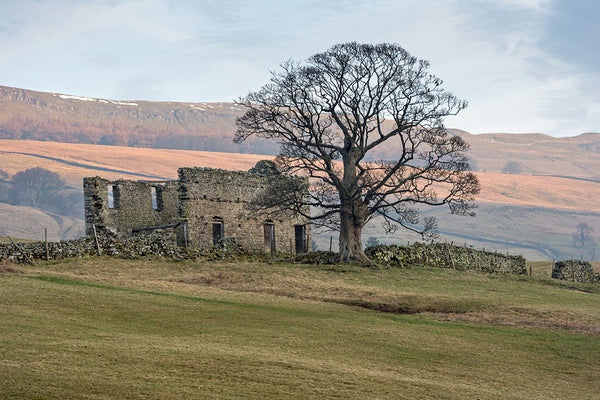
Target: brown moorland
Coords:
[[27, 114], [527, 214], [75, 161]]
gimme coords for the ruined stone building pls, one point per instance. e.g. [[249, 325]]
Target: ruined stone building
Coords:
[[204, 207]]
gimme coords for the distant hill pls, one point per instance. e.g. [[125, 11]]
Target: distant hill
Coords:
[[538, 154], [27, 114], [536, 188]]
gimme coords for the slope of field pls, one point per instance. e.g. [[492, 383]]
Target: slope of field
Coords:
[[537, 154], [531, 215], [534, 232], [75, 161], [106, 328]]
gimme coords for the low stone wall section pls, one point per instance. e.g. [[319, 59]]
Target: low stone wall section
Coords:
[[162, 244], [159, 244], [442, 255], [575, 271]]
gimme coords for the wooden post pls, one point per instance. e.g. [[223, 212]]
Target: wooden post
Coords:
[[46, 243], [450, 255], [96, 240], [330, 243]]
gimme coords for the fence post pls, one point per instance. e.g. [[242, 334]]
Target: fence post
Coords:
[[96, 240], [46, 243], [450, 255]]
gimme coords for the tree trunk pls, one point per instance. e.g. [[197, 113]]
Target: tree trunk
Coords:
[[351, 225], [353, 212]]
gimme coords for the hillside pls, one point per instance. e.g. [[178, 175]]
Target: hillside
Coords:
[[538, 154], [553, 184], [109, 328], [26, 114], [531, 215]]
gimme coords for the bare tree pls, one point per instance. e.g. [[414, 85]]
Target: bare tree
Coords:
[[583, 234], [333, 111]]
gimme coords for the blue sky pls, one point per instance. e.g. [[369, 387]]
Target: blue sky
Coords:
[[523, 65]]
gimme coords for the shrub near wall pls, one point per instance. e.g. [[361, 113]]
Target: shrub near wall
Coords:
[[442, 255]]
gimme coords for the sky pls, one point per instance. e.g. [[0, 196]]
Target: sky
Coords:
[[524, 66]]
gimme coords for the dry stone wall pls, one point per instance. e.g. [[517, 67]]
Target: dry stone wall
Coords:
[[574, 270], [442, 255], [26, 252], [156, 244]]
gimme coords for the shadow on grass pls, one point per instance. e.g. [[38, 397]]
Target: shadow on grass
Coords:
[[413, 307]]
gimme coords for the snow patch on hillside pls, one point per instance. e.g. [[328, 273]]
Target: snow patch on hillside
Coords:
[[82, 98], [69, 97]]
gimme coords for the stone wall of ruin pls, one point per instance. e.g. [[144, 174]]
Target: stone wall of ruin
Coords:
[[209, 195], [132, 206], [200, 198]]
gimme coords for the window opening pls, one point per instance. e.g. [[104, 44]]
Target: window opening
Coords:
[[218, 231], [157, 198], [154, 199], [113, 197]]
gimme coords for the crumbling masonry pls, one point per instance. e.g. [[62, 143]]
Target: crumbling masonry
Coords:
[[204, 207]]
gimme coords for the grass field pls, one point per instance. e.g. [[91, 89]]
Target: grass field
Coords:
[[102, 328]]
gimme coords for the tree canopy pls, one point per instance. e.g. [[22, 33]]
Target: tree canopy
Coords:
[[333, 111], [41, 188]]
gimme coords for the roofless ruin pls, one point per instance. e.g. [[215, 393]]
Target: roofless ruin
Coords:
[[204, 207]]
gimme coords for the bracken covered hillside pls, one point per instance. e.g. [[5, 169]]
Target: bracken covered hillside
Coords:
[[27, 114]]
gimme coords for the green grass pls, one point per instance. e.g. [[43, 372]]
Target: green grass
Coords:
[[105, 329]]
